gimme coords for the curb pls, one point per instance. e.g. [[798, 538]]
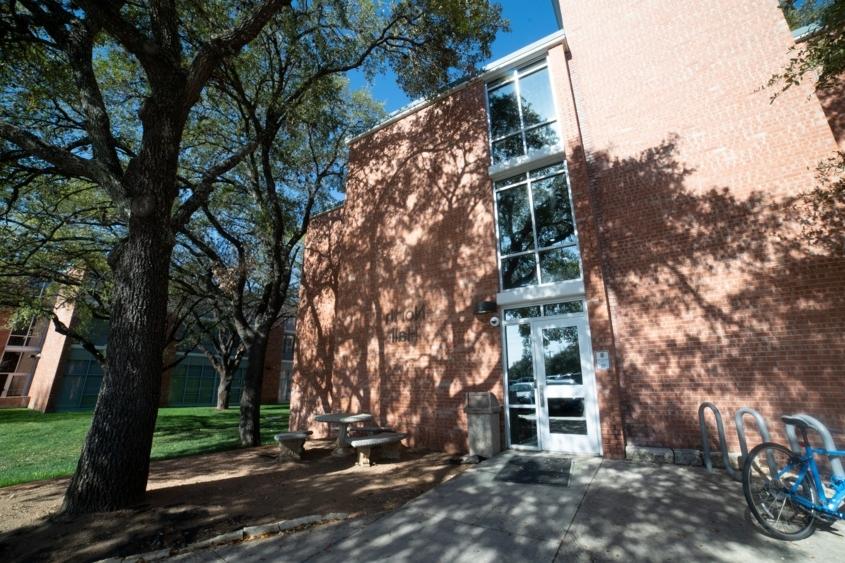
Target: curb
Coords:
[[244, 534]]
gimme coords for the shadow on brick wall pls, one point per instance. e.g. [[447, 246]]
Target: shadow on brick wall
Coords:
[[716, 297], [416, 240]]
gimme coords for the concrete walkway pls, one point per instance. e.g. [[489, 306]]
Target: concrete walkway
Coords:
[[612, 510]]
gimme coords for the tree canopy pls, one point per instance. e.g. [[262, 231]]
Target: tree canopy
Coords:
[[118, 98]]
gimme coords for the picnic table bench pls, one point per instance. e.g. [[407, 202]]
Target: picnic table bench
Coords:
[[343, 420], [386, 442], [291, 444], [357, 431]]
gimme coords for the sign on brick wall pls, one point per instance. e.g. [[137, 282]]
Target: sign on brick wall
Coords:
[[404, 324]]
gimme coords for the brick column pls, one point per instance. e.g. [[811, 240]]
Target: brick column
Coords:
[[48, 372], [598, 311]]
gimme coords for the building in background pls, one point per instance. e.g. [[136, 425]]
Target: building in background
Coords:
[[619, 197], [44, 370]]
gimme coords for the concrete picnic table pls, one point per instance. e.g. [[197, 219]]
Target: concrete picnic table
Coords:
[[343, 420]]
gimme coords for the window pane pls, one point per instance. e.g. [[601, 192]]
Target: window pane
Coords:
[[541, 137], [562, 357], [520, 366], [559, 264], [504, 112], [10, 361], [519, 271], [537, 102], [546, 171], [515, 234], [523, 427], [552, 211], [499, 184], [522, 313], [563, 308], [570, 408], [565, 426], [507, 148]]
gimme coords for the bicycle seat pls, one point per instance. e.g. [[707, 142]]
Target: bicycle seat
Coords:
[[795, 420]]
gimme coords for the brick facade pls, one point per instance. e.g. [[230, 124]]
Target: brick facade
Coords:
[[714, 294], [683, 176], [416, 231]]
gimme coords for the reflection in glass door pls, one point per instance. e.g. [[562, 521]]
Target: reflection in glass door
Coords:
[[551, 384], [522, 388]]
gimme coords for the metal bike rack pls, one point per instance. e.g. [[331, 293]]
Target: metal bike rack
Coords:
[[705, 442], [739, 419], [827, 440]]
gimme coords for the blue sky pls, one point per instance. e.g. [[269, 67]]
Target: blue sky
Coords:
[[530, 20]]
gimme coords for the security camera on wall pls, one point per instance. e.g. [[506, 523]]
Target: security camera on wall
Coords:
[[494, 321]]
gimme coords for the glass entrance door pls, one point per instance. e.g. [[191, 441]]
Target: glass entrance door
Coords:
[[551, 386]]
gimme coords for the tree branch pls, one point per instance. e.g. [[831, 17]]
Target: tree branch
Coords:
[[212, 53], [65, 161]]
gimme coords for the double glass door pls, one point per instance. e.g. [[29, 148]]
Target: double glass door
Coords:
[[551, 386]]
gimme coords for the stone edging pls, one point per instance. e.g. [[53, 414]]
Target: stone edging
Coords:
[[677, 456], [246, 533]]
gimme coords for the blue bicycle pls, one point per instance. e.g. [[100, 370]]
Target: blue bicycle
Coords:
[[785, 491]]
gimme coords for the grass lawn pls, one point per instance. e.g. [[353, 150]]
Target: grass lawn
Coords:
[[37, 446]]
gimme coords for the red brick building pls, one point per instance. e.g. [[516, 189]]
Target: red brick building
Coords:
[[624, 192]]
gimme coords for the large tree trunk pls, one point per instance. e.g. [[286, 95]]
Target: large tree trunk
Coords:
[[223, 390], [114, 465], [115, 462], [250, 424]]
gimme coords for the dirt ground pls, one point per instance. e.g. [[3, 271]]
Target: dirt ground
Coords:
[[194, 498]]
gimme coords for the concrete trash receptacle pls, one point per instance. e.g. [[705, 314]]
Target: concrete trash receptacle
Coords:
[[483, 412]]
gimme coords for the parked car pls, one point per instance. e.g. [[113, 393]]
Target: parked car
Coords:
[[521, 393]]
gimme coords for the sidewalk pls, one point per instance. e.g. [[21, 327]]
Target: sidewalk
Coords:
[[611, 510]]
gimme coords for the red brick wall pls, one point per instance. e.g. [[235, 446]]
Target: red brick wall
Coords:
[[833, 104], [313, 363], [416, 230], [272, 365], [714, 293], [683, 173], [601, 329]]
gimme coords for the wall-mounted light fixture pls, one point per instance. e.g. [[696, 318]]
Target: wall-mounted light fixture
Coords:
[[485, 307]]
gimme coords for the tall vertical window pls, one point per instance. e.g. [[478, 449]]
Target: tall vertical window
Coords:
[[522, 113], [537, 238]]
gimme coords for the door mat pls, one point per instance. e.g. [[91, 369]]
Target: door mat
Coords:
[[536, 471]]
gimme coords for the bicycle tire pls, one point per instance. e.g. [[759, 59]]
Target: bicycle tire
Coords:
[[759, 487]]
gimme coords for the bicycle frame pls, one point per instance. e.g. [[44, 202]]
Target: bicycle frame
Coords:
[[807, 463]]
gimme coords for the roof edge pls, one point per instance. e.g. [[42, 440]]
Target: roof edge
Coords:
[[489, 71]]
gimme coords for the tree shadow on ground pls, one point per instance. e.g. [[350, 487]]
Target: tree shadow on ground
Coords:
[[191, 499], [616, 512], [636, 512]]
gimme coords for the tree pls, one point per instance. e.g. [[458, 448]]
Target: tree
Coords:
[[199, 323], [54, 241], [57, 122], [104, 92], [249, 238], [822, 52]]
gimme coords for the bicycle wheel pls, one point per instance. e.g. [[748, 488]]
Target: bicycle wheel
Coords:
[[769, 472]]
